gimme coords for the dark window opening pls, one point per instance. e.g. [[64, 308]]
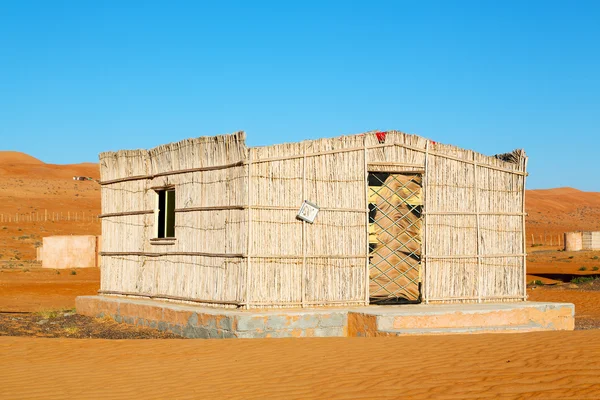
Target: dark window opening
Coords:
[[166, 214]]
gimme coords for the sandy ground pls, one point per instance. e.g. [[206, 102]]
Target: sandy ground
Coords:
[[37, 289], [551, 265], [587, 303], [549, 365]]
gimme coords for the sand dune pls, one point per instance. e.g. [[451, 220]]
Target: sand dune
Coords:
[[555, 211], [18, 158]]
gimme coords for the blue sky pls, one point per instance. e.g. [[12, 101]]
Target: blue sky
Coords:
[[81, 77]]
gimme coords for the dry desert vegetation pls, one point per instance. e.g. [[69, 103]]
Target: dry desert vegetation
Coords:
[[45, 350]]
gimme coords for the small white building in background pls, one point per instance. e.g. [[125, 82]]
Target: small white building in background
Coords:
[[72, 251], [577, 241]]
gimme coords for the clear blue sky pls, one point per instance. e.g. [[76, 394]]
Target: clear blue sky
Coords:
[[81, 77]]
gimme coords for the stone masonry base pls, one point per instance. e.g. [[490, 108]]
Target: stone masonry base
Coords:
[[205, 322]]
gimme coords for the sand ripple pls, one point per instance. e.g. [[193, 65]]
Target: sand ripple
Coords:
[[544, 365]]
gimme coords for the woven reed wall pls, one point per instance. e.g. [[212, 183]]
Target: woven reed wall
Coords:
[[475, 228], [325, 262], [219, 233], [473, 237]]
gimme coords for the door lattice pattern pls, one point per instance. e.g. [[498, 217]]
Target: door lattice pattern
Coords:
[[395, 216]]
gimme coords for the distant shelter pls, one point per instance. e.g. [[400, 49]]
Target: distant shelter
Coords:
[[577, 241]]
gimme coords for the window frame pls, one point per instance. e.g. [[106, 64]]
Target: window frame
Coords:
[[168, 214]]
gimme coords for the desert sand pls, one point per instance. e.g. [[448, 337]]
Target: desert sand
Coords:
[[37, 289], [547, 365]]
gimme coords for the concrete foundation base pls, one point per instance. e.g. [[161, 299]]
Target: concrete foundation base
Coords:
[[202, 322]]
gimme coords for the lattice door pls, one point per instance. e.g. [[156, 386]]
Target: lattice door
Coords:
[[395, 237]]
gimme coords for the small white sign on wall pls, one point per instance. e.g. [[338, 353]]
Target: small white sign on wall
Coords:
[[308, 212]]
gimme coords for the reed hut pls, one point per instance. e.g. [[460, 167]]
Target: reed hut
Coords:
[[387, 218]]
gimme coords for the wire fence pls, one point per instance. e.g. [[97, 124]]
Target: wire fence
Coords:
[[546, 239], [49, 216]]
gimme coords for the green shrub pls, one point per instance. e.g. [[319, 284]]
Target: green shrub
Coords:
[[582, 279], [73, 272], [583, 269]]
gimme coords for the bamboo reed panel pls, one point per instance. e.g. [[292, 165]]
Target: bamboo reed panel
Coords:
[[451, 212], [424, 251], [227, 211], [478, 229], [406, 146], [367, 220], [523, 233], [303, 273], [290, 157], [249, 244]]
